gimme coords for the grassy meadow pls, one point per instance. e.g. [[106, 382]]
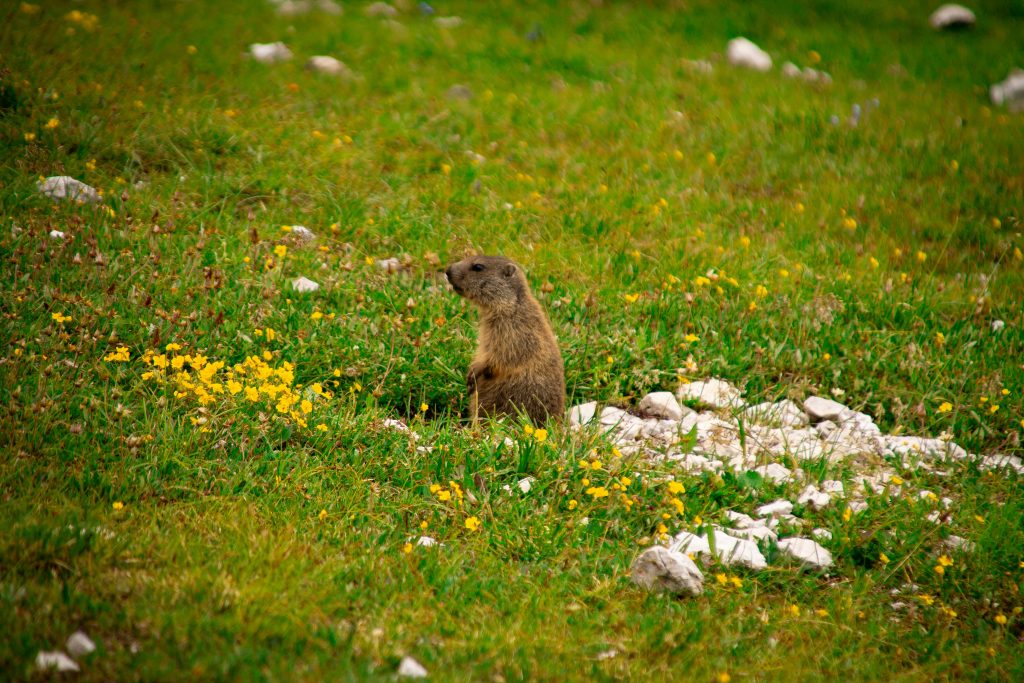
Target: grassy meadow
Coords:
[[198, 468]]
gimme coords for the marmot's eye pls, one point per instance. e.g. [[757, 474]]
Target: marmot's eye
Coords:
[[478, 267]]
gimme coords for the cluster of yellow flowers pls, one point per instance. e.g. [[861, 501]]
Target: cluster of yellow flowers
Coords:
[[87, 21], [256, 381], [453, 493]]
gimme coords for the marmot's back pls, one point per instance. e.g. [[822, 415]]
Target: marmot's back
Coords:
[[517, 366]]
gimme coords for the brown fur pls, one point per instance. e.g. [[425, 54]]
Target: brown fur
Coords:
[[517, 366]]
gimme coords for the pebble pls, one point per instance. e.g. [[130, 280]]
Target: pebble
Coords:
[[381, 9], [304, 284], [409, 667], [659, 568], [1009, 92], [46, 661], [270, 53], [324, 64], [79, 645], [775, 473], [806, 551], [63, 187], [583, 413], [390, 265], [821, 409], [301, 232], [951, 16], [712, 392], [813, 497], [742, 52], [728, 549], [57, 235], [661, 404], [779, 507]]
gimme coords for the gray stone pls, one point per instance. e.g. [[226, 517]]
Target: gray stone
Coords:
[[659, 568], [381, 9], [1009, 92], [409, 667], [807, 552], [786, 413], [270, 53], [66, 188], [448, 22], [951, 16], [779, 507], [814, 498], [459, 92], [824, 409], [583, 413], [661, 404], [775, 473], [79, 645], [712, 392], [304, 284], [324, 64], [49, 661], [727, 549]]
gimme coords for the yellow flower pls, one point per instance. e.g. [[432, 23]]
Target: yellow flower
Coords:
[[60, 318], [721, 578], [446, 169], [792, 610], [761, 291], [306, 407], [573, 503], [849, 223], [540, 435], [597, 492], [883, 558], [316, 315], [29, 137], [691, 338], [799, 207], [896, 480], [322, 427], [271, 335], [736, 581], [52, 123], [595, 465], [821, 612], [744, 241], [444, 495], [407, 548], [945, 407], [631, 298], [712, 159], [940, 570], [280, 251], [674, 487], [323, 515], [118, 505], [1001, 619], [120, 355], [473, 523], [847, 513], [945, 561], [921, 256], [424, 407], [723, 677], [940, 339], [252, 394]]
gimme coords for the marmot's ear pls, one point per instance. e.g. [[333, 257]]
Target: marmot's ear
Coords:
[[509, 269]]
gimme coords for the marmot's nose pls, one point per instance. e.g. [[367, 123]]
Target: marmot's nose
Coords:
[[448, 273]]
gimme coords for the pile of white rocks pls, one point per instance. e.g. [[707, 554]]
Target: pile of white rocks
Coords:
[[820, 429]]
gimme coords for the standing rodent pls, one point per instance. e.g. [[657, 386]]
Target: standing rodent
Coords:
[[517, 366]]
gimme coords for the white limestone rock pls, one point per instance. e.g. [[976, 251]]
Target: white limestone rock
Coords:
[[55, 661], [921, 447], [807, 552], [304, 284], [659, 568], [822, 534], [728, 549], [785, 413], [79, 645], [426, 541], [997, 325], [832, 486], [57, 235], [270, 53], [65, 188], [381, 10], [775, 473], [662, 404], [814, 498], [409, 667], [951, 16], [713, 392], [742, 52], [820, 409], [324, 64], [611, 416], [389, 265], [779, 507], [1009, 92], [791, 70], [1000, 462], [582, 414]]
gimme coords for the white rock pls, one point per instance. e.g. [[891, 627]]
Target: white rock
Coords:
[[46, 661], [779, 507], [806, 551], [304, 284], [996, 324], [661, 404], [381, 9], [998, 462], [583, 413], [756, 534], [824, 409], [79, 645], [426, 541], [525, 484], [958, 543], [775, 473], [270, 53], [822, 534], [329, 65], [694, 464], [832, 486], [57, 235], [742, 52], [813, 497], [857, 506], [713, 392], [742, 521], [728, 549], [611, 416], [785, 413], [791, 70], [448, 22], [921, 447], [64, 187], [391, 265], [1009, 92], [659, 568], [952, 16], [409, 667], [329, 7]]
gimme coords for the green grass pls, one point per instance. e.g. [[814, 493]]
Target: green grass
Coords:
[[634, 176]]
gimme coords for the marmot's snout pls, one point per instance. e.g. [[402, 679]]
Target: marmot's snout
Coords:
[[453, 277]]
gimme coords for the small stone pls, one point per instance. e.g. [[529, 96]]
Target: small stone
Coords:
[[824, 409], [786, 413], [958, 543], [382, 9], [79, 645], [448, 22], [63, 187], [742, 521], [813, 497], [998, 462], [324, 64], [808, 552], [661, 404], [951, 16], [728, 549], [791, 70], [659, 568], [1009, 92], [426, 541], [779, 507], [713, 392], [390, 265], [832, 486], [459, 92], [996, 324], [304, 284], [46, 661], [857, 506], [57, 235], [822, 534], [611, 416], [525, 484], [270, 53], [742, 52], [775, 473], [583, 413], [409, 667], [756, 534]]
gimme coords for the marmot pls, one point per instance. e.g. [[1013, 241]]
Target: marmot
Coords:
[[517, 367]]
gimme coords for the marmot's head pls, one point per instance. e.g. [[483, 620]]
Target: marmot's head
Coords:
[[491, 282]]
